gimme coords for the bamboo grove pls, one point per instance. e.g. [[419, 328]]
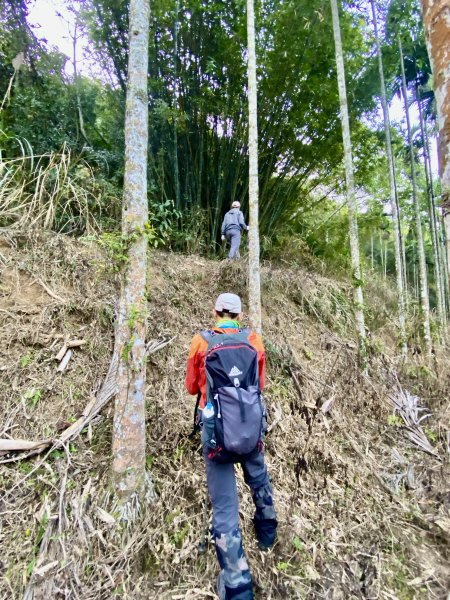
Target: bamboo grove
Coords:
[[62, 137]]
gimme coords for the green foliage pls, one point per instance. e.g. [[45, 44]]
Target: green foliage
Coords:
[[395, 421], [114, 244], [431, 435], [32, 396], [179, 536], [127, 348], [163, 220], [27, 359], [300, 139]]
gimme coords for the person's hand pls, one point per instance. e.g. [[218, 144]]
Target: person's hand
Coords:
[[223, 238], [248, 227]]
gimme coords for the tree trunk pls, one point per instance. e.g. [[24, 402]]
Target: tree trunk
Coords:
[[423, 283], [176, 170], [439, 231], [380, 242], [76, 78], [371, 251], [405, 273], [393, 195], [254, 290], [432, 217], [129, 414], [436, 18], [351, 199]]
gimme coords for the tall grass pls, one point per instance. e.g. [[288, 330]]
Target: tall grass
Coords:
[[53, 191]]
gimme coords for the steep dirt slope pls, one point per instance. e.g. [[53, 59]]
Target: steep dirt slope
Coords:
[[363, 512]]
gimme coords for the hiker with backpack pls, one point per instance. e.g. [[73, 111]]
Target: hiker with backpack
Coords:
[[226, 368], [232, 225]]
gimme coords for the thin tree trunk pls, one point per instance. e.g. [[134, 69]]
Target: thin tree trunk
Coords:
[[444, 242], [439, 230], [175, 109], [380, 242], [396, 219], [432, 217], [371, 251], [424, 300], [253, 259], [129, 414], [351, 199], [405, 274], [76, 78], [436, 18]]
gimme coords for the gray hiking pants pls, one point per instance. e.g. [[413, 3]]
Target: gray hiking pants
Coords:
[[222, 489], [234, 237]]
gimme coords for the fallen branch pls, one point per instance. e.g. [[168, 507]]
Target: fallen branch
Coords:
[[107, 391], [50, 292]]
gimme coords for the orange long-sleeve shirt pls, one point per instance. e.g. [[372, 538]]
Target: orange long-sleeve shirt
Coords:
[[195, 381]]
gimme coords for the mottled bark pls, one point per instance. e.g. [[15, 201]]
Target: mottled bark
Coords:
[[351, 199], [129, 416], [392, 191], [253, 267], [423, 280], [436, 18]]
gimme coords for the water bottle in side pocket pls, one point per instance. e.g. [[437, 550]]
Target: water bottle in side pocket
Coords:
[[208, 420]]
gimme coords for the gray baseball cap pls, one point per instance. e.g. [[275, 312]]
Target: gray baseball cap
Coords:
[[228, 302]]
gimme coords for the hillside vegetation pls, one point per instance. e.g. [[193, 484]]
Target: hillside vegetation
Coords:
[[363, 509]]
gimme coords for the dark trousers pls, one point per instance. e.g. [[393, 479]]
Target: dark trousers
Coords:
[[227, 535]]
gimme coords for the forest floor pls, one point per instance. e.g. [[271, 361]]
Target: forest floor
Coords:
[[363, 511]]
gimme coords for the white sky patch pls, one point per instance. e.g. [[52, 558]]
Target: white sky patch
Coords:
[[53, 22]]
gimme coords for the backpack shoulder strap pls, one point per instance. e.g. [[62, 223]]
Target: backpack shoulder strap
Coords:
[[196, 425], [208, 335]]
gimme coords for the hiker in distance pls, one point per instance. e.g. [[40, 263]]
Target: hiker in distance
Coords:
[[232, 225], [226, 368]]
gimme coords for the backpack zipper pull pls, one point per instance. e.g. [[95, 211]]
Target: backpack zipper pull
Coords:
[[219, 415]]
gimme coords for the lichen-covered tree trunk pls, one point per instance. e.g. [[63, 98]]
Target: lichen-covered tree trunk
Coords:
[[393, 194], [129, 414], [351, 199], [436, 18], [423, 279], [253, 260]]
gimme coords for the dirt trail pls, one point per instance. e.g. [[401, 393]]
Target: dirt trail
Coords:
[[363, 512]]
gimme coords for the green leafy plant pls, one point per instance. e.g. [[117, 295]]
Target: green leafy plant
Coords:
[[395, 421], [26, 359], [179, 536], [32, 396]]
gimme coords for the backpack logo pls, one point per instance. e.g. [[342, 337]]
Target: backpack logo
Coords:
[[234, 372]]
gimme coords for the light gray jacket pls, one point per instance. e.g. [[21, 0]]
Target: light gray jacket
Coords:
[[234, 219]]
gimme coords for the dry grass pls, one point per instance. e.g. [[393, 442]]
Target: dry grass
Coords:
[[50, 191], [348, 528]]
